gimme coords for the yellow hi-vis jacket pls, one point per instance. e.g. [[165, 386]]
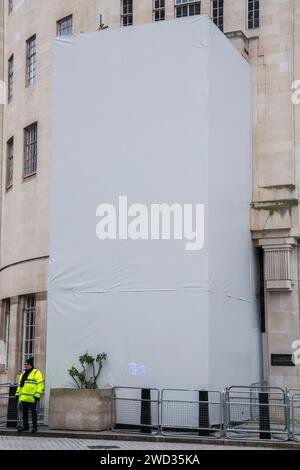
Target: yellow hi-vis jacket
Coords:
[[33, 386]]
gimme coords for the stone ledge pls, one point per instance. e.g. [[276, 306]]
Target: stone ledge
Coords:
[[279, 285]]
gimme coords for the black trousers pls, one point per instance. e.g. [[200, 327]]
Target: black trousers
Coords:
[[32, 406]]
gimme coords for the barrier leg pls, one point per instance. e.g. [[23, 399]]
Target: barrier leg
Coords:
[[146, 411], [264, 416], [12, 411], [203, 413]]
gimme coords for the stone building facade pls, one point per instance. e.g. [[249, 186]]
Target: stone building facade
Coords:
[[267, 33]]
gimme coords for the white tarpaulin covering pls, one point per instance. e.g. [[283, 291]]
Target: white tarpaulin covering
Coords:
[[160, 113]]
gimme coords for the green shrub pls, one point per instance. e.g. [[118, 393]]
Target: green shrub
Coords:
[[91, 368]]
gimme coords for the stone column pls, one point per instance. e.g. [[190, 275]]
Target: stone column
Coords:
[[15, 340], [281, 282], [41, 331]]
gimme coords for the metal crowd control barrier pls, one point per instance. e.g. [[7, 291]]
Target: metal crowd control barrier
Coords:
[[10, 412], [250, 413], [256, 413], [294, 400], [136, 410], [192, 412]]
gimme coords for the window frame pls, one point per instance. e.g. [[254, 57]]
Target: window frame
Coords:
[[27, 146], [251, 22], [126, 15], [59, 24], [31, 62], [188, 4], [9, 164], [7, 307], [10, 6], [216, 19], [10, 78], [159, 11], [29, 326]]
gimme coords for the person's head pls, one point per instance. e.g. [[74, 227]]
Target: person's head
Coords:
[[29, 363]]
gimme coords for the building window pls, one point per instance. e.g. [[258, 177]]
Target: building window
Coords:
[[31, 61], [127, 13], [10, 6], [253, 14], [7, 326], [29, 319], [218, 13], [30, 158], [159, 11], [10, 80], [187, 8], [65, 26], [10, 164]]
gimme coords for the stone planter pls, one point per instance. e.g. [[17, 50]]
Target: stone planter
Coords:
[[80, 410]]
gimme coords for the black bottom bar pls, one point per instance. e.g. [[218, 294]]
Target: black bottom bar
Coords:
[[203, 413], [133, 427], [12, 411], [264, 416], [146, 411]]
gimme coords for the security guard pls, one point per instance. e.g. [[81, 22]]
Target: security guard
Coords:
[[31, 385]]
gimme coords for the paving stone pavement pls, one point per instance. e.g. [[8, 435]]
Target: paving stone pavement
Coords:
[[42, 443]]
